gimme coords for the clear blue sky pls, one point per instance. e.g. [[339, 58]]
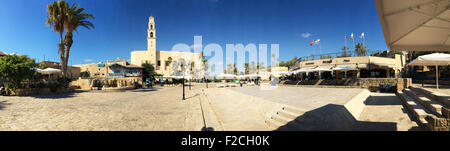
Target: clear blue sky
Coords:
[[120, 26]]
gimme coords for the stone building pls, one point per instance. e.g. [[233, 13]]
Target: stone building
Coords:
[[72, 71], [356, 67], [110, 69], [162, 60]]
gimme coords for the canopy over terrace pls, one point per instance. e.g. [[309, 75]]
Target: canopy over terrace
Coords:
[[417, 25], [345, 68], [435, 59]]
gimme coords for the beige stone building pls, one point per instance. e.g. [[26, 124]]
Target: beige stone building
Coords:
[[357, 67], [162, 60], [112, 69]]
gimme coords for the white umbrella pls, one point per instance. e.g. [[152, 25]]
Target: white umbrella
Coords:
[[435, 59], [417, 25], [48, 71], [345, 69], [321, 69]]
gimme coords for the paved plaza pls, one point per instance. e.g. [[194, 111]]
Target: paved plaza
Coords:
[[158, 109], [162, 109]]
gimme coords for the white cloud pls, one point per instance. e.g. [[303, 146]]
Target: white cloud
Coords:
[[88, 60], [306, 35]]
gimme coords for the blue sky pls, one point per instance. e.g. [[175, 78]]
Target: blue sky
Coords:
[[120, 26]]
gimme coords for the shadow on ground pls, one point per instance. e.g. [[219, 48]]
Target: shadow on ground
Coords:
[[145, 90], [59, 96], [207, 129], [382, 100], [3, 104], [334, 117]]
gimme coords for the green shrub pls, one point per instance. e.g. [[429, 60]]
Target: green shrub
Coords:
[[15, 69]]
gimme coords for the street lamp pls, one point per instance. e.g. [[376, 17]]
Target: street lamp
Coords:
[[182, 69]]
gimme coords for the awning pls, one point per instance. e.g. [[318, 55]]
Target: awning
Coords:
[[385, 65], [418, 25], [345, 67], [307, 69], [322, 68]]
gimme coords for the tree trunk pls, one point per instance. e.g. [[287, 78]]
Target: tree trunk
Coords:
[[68, 41], [61, 53]]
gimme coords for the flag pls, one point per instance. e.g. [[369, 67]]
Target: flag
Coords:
[[362, 35], [312, 42], [345, 37], [351, 36], [317, 41]]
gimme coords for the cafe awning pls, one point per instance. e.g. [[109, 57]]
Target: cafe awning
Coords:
[[345, 67], [417, 25], [307, 69], [322, 68]]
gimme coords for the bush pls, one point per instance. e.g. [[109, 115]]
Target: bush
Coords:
[[15, 69]]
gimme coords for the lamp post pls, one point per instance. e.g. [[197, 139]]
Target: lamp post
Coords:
[[190, 79], [182, 69]]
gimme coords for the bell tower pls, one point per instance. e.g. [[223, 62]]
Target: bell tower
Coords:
[[151, 39]]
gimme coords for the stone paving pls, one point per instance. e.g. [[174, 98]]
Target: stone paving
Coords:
[[305, 98], [160, 109], [386, 108]]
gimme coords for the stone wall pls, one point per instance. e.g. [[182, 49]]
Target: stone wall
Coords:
[[399, 83], [90, 83], [372, 84]]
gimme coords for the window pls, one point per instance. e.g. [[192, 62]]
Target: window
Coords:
[[159, 62], [167, 63], [151, 26], [151, 34]]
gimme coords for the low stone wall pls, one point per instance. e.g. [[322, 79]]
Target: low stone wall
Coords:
[[373, 84]]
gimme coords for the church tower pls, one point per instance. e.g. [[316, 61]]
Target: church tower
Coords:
[[151, 39]]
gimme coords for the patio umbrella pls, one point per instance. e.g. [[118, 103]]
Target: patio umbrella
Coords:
[[321, 69], [436, 59], [344, 68], [417, 25], [49, 71]]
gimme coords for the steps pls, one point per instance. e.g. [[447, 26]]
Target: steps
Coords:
[[421, 106], [432, 105], [290, 119]]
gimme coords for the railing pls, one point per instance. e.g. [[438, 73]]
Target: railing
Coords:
[[341, 55]]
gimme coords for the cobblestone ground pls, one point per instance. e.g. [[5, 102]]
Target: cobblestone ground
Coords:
[[145, 109]]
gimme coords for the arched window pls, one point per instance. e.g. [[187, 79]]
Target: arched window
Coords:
[[151, 26], [151, 34]]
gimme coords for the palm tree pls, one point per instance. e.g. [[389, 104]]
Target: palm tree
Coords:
[[344, 52], [65, 18], [75, 18], [57, 17], [360, 49]]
